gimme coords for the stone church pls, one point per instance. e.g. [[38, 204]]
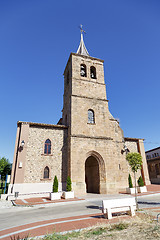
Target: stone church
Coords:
[[87, 143]]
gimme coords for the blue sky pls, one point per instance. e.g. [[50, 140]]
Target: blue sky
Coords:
[[36, 39]]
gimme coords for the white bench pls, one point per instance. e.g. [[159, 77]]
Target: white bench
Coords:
[[118, 205]]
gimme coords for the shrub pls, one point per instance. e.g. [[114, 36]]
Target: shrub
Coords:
[[130, 181], [69, 184], [140, 182], [55, 184], [120, 226]]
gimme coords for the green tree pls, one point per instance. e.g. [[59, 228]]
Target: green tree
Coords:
[[69, 184], [140, 182], [130, 181], [55, 184], [135, 162], [5, 167]]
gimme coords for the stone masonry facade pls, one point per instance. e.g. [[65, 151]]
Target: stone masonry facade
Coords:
[[87, 144], [103, 139], [36, 160], [31, 160]]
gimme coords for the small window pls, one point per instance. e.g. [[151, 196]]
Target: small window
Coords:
[[91, 116], [46, 172], [47, 147], [93, 72], [83, 71]]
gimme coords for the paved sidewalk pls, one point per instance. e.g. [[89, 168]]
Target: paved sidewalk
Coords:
[[57, 225], [42, 200], [151, 189]]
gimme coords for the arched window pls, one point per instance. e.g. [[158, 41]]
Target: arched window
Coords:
[[47, 147], [83, 71], [46, 172], [91, 116], [93, 72]]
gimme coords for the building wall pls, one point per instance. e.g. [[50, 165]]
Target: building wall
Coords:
[[153, 154], [33, 160], [115, 173], [77, 141], [36, 160], [104, 137], [153, 161]]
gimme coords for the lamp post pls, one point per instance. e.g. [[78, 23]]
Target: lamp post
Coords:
[[20, 148]]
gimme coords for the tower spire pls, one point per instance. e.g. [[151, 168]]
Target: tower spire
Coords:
[[82, 50]]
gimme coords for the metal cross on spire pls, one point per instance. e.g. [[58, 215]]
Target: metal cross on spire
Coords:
[[82, 29], [82, 49]]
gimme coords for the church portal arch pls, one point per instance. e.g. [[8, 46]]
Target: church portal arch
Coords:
[[95, 176]]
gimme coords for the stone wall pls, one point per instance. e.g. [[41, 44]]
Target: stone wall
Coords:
[[36, 160], [154, 170], [114, 175], [101, 141], [131, 145]]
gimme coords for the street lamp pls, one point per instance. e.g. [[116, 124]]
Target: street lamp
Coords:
[[20, 148], [22, 143], [125, 149]]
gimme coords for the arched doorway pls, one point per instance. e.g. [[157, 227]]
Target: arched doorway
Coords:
[[92, 176]]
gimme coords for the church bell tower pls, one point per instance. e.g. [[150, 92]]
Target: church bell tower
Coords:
[[91, 127]]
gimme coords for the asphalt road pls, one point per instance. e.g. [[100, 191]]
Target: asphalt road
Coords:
[[20, 216], [150, 201], [16, 218]]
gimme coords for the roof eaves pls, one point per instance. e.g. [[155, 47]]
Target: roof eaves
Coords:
[[41, 124]]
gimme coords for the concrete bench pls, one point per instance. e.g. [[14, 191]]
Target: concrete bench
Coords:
[[118, 205]]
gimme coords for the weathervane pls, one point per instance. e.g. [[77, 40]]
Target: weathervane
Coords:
[[82, 29]]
